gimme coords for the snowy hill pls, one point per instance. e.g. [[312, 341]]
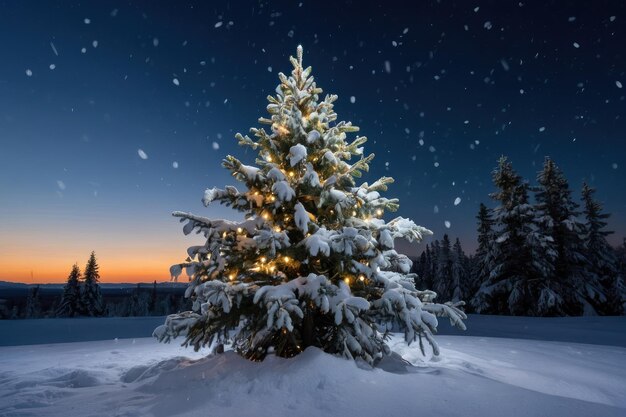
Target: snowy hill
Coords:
[[475, 376]]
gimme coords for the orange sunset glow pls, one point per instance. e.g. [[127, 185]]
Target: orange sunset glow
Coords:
[[141, 252]]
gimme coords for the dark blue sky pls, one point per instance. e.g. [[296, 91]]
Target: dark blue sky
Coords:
[[473, 80]]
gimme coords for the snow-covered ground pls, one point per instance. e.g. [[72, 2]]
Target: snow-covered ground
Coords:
[[476, 376]]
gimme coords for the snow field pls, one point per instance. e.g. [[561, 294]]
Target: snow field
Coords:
[[474, 376]]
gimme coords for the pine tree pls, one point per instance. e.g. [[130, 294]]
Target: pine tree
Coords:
[[558, 219], [313, 263], [152, 307], [442, 284], [459, 272], [522, 255], [601, 256], [70, 300], [139, 303], [420, 269], [484, 258], [33, 304], [92, 303]]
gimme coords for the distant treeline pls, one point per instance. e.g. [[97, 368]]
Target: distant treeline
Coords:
[[119, 300], [545, 256], [82, 295]]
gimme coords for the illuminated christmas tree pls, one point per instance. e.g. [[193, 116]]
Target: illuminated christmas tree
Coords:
[[313, 263]]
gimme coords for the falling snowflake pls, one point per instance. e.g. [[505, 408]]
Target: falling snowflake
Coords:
[[175, 164], [215, 145], [176, 82], [457, 201], [142, 154], [447, 224]]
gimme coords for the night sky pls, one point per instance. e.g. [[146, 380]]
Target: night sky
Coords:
[[440, 88]]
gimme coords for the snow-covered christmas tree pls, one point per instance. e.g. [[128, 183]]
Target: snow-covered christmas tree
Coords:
[[313, 263]]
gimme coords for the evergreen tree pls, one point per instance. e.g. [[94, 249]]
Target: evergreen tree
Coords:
[[428, 269], [601, 256], [92, 303], [33, 304], [522, 255], [70, 300], [313, 263], [139, 303], [484, 258], [558, 219], [435, 251], [443, 285], [152, 307], [459, 274], [420, 269]]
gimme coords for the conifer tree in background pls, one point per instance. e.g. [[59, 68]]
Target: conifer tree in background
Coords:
[[443, 272], [70, 305], [91, 300], [600, 255], [152, 306], [621, 261], [422, 269], [558, 219], [33, 303], [518, 282], [313, 263], [484, 258], [459, 272]]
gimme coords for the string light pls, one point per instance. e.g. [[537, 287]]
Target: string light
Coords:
[[379, 212], [353, 213], [347, 280], [361, 277], [277, 229], [239, 230], [286, 259], [231, 276], [265, 216], [263, 259]]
